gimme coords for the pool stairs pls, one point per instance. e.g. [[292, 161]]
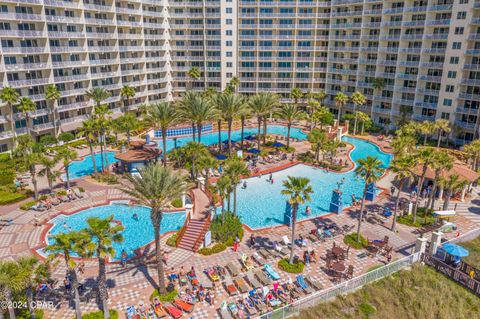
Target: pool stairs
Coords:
[[192, 238]]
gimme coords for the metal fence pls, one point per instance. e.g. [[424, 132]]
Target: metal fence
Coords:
[[342, 288], [465, 237]]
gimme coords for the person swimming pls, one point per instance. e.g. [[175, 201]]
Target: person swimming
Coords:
[[244, 184], [308, 211], [135, 216]]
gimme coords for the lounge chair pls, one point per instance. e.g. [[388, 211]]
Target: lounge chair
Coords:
[[232, 268], [302, 284], [314, 284], [212, 274], [157, 306], [230, 287], [233, 308], [252, 280], [256, 259], [249, 307], [241, 285], [247, 262], [172, 311], [223, 312], [78, 193], [182, 305], [264, 253], [313, 238], [262, 277], [271, 272], [131, 312], [286, 241]]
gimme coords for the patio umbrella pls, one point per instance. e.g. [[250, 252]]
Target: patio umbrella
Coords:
[[225, 141], [278, 144], [254, 151], [221, 157], [455, 250], [250, 138]]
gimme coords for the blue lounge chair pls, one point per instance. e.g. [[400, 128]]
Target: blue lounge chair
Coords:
[[302, 284], [272, 273]]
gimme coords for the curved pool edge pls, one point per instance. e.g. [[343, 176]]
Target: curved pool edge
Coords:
[[38, 250], [80, 159]]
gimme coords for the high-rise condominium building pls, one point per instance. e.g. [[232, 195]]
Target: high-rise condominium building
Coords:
[[412, 59]]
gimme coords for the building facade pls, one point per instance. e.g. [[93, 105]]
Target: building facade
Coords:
[[412, 59]]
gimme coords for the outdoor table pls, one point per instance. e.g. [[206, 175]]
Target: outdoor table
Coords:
[[338, 267], [338, 251]]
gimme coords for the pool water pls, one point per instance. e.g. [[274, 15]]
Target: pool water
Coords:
[[137, 233], [262, 205], [84, 167]]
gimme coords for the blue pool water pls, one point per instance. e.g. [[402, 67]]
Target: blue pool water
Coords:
[[84, 167], [261, 204], [137, 233]]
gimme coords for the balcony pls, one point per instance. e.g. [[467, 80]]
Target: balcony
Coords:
[[128, 10], [468, 111], [73, 106], [124, 23], [103, 61], [61, 4], [22, 33], [468, 96], [443, 22], [61, 34], [96, 7], [102, 48], [22, 50], [465, 125], [25, 66], [73, 92], [438, 36], [29, 82], [71, 78], [20, 16], [421, 117]]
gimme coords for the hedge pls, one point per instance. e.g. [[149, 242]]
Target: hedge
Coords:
[[177, 203], [99, 314], [295, 268], [172, 240], [27, 205], [351, 240], [167, 297], [8, 198], [215, 249]]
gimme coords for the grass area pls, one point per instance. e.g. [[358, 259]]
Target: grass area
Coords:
[[473, 247], [99, 314], [418, 293], [172, 240], [351, 240], [8, 198], [420, 222], [295, 268], [168, 297]]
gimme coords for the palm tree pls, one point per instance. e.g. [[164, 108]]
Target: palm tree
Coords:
[[127, 92], [424, 157], [162, 116], [192, 153], [331, 146], [194, 74], [156, 187], [64, 244], [127, 123], [340, 100], [222, 188], [235, 168], [298, 189], [261, 104], [290, 113], [66, 156], [52, 95], [451, 184], [88, 130], [363, 118], [402, 168], [243, 116], [235, 83], [101, 234], [206, 163], [442, 162], [426, 128], [442, 126], [296, 94], [472, 150], [229, 107], [378, 84], [10, 96], [11, 282], [403, 144], [48, 170], [98, 95], [25, 150], [25, 106], [358, 99], [323, 116], [370, 170], [317, 138], [198, 110]]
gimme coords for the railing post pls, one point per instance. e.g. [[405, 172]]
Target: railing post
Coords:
[[435, 242]]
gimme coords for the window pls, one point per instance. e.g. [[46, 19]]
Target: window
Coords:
[[229, 54], [229, 32], [449, 88], [229, 74], [447, 102], [454, 60], [459, 30], [445, 116], [229, 64], [462, 15], [228, 10], [229, 43], [456, 45], [229, 21], [452, 74]]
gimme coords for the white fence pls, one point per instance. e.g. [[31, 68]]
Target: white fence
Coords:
[[471, 235], [344, 287]]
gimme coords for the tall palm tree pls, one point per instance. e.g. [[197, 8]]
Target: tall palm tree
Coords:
[[260, 105], [192, 153], [442, 126], [402, 168], [296, 94], [162, 116], [378, 85], [340, 100], [25, 150], [317, 138], [235, 83], [403, 144], [197, 110], [206, 163], [48, 171], [442, 162], [11, 281], [331, 146], [235, 168], [88, 130], [101, 234], [426, 128], [10, 96], [229, 107], [25, 106], [52, 95], [243, 117], [98, 95], [64, 244], [127, 92], [363, 118], [451, 184], [472, 150], [424, 157], [370, 170], [323, 116], [66, 156], [127, 123], [103, 124], [298, 190], [222, 188], [290, 113], [358, 99], [194, 74], [156, 187]]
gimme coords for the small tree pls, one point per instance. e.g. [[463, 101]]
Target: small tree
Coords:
[[340, 100], [317, 138], [402, 168], [358, 99], [66, 156], [290, 113], [52, 95], [235, 168], [127, 92]]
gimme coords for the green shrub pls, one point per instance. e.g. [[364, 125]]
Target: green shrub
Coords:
[[177, 203], [351, 240], [215, 249], [172, 240], [4, 157], [77, 143], [8, 198], [99, 314], [23, 313], [229, 242], [27, 205], [62, 192], [167, 297], [307, 157], [43, 197], [81, 189], [231, 228], [366, 310], [295, 268], [47, 140], [7, 176], [106, 178], [333, 167], [420, 222], [66, 137]]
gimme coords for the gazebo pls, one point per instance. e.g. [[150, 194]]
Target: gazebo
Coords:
[[139, 154]]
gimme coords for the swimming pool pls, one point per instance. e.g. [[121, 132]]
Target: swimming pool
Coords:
[[84, 167], [137, 233], [261, 204]]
